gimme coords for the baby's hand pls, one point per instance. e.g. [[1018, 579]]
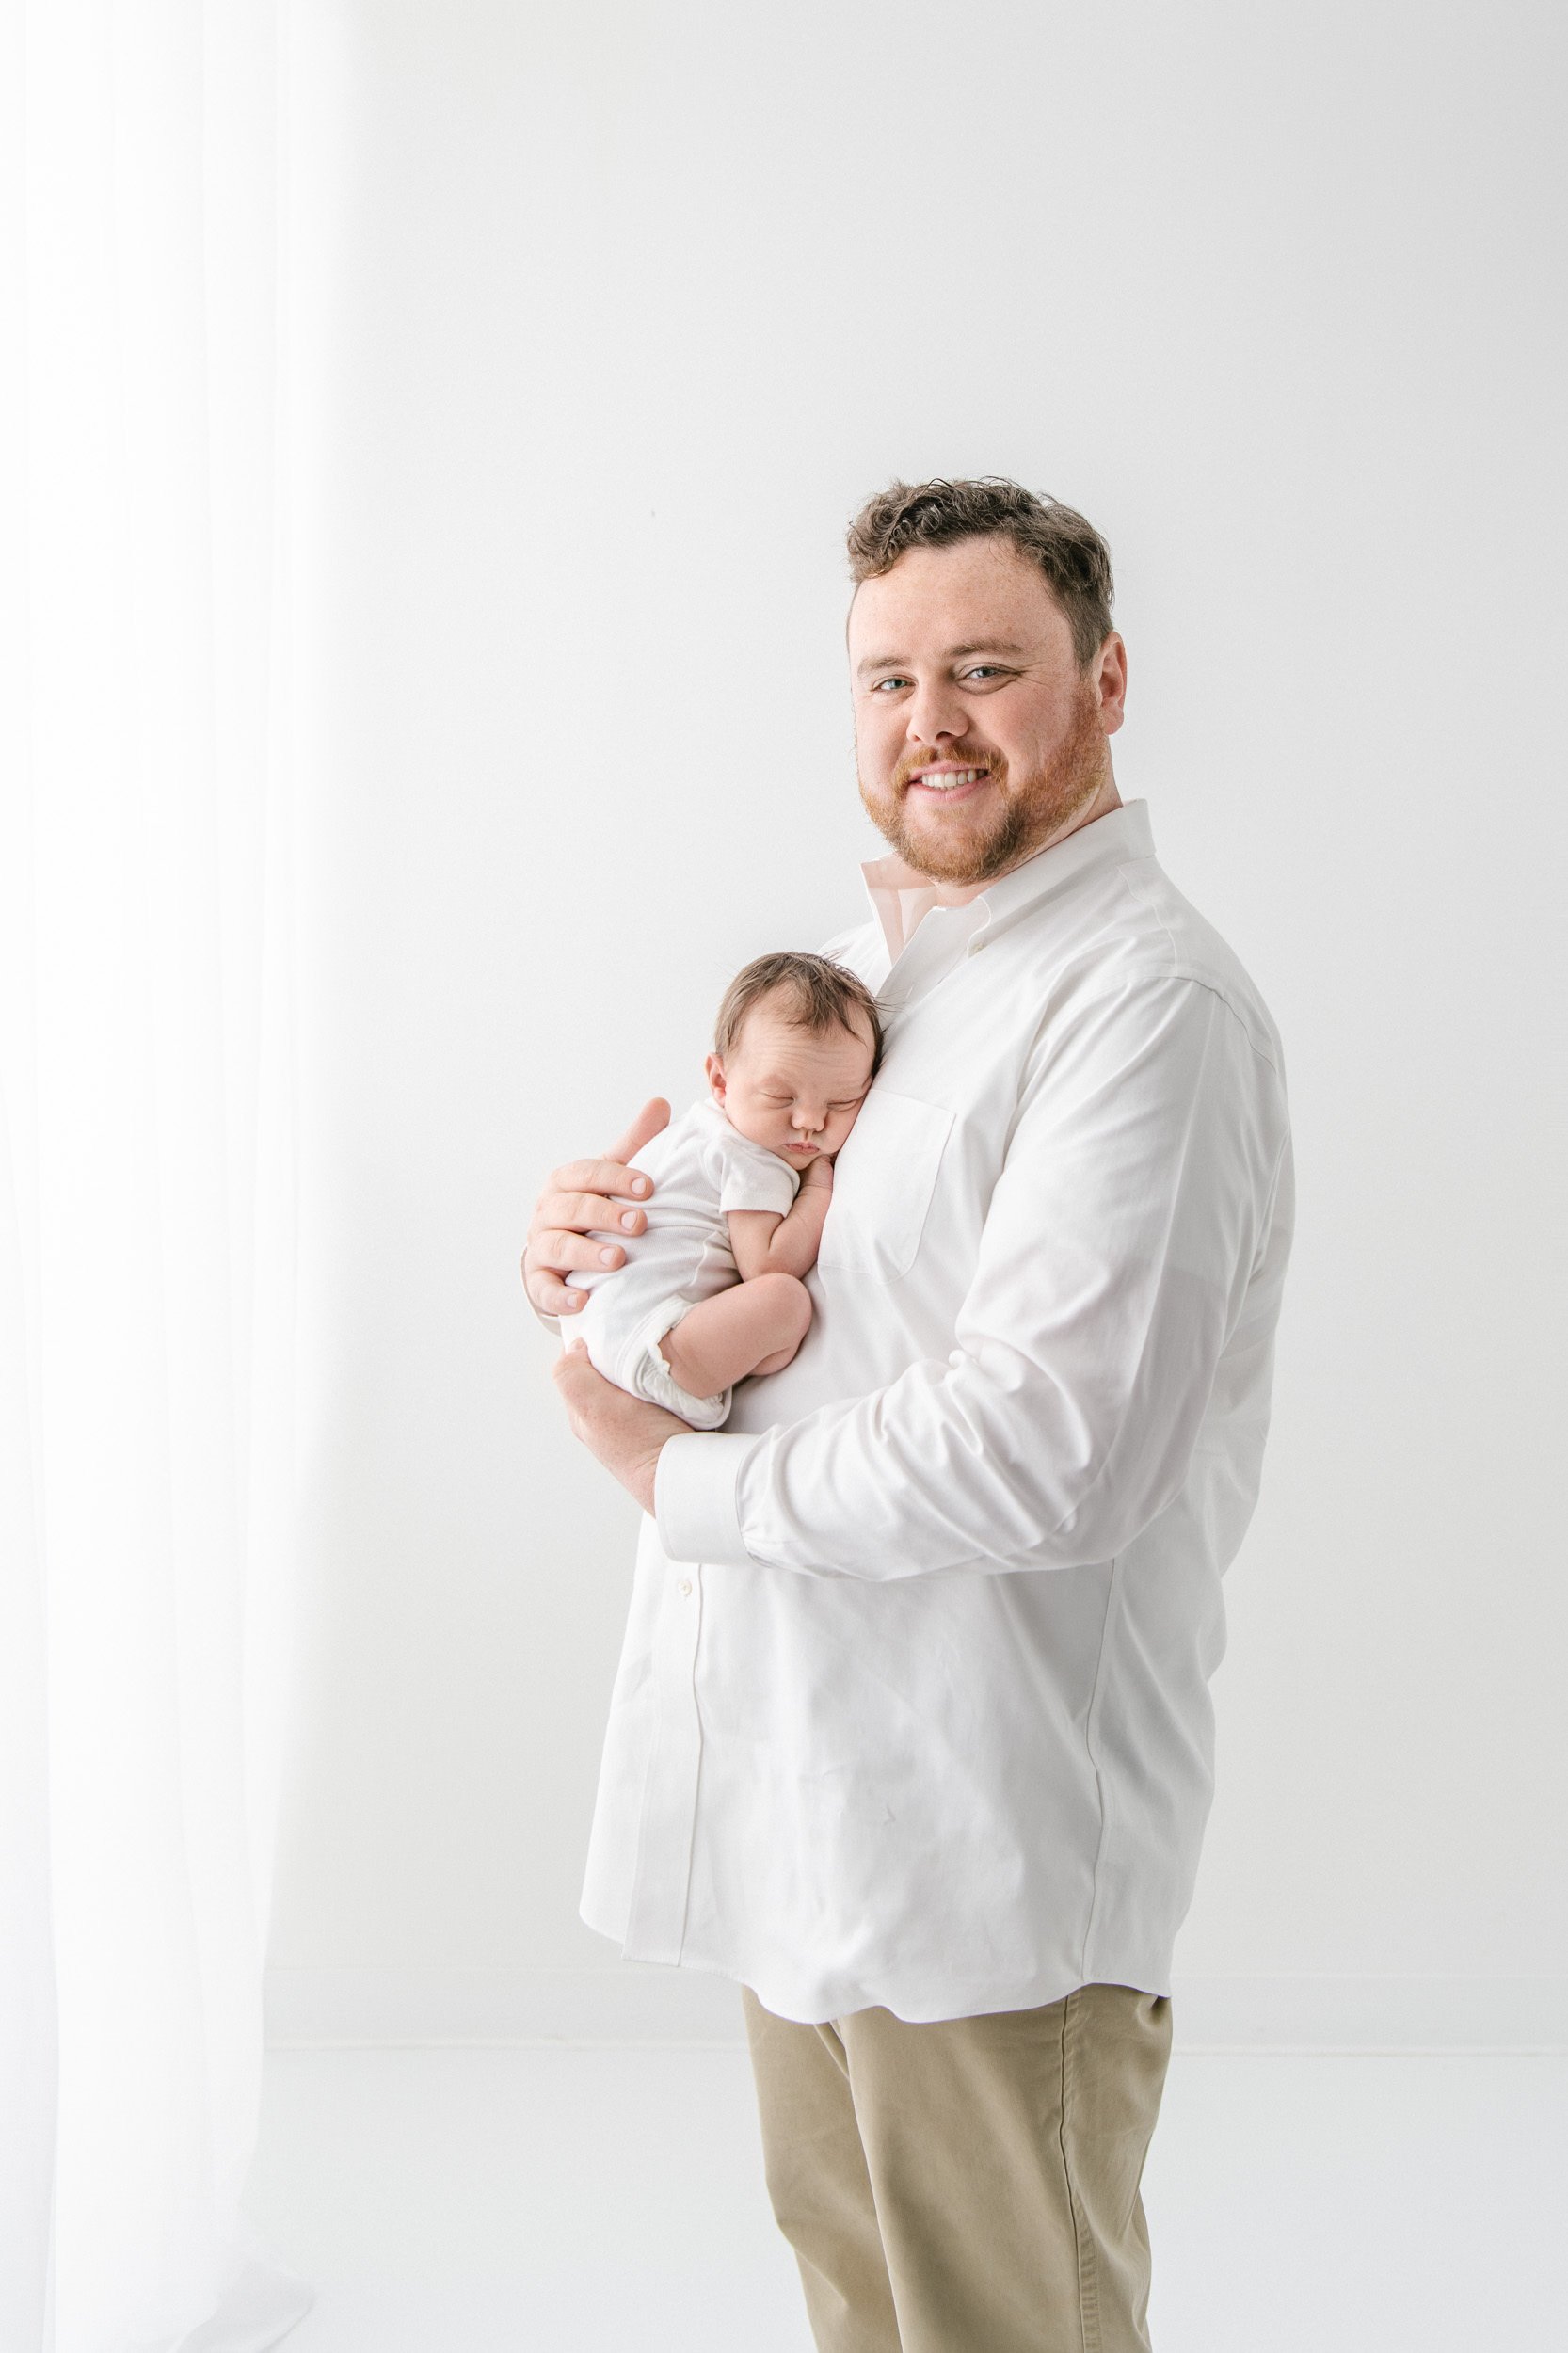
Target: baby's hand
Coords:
[[819, 1172]]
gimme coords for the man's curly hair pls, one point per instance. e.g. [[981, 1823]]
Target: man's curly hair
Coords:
[[1066, 547]]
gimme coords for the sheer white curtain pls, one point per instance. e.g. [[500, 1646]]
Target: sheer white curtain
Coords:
[[146, 1161]]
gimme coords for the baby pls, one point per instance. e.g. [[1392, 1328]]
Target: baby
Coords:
[[712, 1291]]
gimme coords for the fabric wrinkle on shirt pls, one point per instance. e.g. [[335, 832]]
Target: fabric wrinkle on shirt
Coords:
[[931, 1728]]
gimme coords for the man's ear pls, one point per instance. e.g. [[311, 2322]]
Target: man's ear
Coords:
[[1110, 682], [714, 1069]]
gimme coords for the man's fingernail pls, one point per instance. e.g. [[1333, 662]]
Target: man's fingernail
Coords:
[[574, 1299], [639, 1184], [628, 1218], [608, 1256]]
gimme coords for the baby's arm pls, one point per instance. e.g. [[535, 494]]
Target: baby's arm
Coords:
[[759, 1322], [766, 1244]]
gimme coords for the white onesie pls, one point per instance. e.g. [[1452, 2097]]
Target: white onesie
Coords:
[[702, 1168]]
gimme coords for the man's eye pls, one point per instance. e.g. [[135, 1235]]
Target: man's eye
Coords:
[[987, 670], [889, 681]]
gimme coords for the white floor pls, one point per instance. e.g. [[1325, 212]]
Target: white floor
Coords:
[[573, 2201]]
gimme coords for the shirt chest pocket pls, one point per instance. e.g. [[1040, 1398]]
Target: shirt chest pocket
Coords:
[[882, 1180]]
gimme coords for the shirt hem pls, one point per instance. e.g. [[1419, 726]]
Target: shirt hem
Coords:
[[791, 1999]]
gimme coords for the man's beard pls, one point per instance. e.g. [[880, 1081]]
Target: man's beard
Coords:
[[1022, 820]]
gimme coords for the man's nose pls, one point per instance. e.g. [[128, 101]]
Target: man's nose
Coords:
[[936, 711]]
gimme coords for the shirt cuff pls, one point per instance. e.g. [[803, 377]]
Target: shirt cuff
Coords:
[[694, 1491]]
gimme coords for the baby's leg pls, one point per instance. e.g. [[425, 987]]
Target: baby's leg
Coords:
[[751, 1327]]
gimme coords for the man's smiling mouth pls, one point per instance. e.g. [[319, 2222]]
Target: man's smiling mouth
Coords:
[[945, 780]]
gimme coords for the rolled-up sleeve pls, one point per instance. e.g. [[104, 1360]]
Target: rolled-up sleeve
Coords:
[[1118, 1246]]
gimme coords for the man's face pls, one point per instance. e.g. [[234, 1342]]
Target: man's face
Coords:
[[978, 739]]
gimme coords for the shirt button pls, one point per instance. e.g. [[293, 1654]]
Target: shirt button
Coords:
[[685, 1585]]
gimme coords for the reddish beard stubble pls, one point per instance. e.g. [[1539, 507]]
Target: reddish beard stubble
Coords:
[[1020, 819]]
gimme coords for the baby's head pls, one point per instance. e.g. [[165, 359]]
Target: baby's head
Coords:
[[796, 1048]]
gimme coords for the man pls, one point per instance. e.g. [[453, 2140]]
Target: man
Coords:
[[912, 1734]]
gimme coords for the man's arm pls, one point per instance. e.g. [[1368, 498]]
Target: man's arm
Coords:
[[1118, 1248]]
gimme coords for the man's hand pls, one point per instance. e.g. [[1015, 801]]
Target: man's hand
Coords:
[[626, 1432], [584, 1197]]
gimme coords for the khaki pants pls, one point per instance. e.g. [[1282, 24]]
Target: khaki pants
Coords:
[[969, 2185]]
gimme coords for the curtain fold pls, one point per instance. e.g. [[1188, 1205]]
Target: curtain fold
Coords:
[[147, 1164]]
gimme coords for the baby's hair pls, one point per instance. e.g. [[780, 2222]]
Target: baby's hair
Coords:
[[821, 996]]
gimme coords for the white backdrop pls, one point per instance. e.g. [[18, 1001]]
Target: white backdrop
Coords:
[[634, 306]]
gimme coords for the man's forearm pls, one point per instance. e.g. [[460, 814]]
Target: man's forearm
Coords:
[[1114, 1265], [626, 1432]]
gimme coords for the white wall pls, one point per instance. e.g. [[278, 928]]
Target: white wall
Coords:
[[633, 307]]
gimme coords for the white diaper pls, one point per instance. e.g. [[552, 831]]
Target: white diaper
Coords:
[[641, 1369]]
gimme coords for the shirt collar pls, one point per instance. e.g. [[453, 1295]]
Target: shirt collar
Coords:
[[901, 897]]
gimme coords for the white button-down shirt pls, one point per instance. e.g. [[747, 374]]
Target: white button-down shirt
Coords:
[[913, 1703]]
